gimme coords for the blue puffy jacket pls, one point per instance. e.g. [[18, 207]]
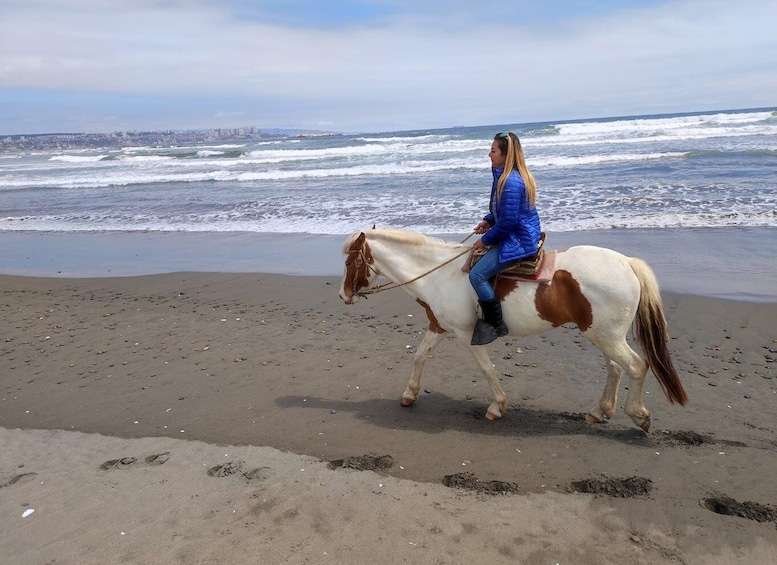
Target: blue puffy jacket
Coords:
[[515, 224]]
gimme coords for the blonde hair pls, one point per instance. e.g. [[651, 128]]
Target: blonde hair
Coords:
[[510, 146]]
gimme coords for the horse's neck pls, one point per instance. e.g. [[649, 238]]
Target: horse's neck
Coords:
[[401, 262]]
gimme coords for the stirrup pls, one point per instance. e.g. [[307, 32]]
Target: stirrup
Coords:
[[484, 333]]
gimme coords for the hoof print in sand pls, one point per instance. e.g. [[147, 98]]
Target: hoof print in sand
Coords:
[[692, 439], [226, 469], [616, 488], [158, 459], [123, 463], [17, 479], [258, 474], [236, 468], [127, 462], [469, 481], [364, 463], [680, 437], [751, 510]]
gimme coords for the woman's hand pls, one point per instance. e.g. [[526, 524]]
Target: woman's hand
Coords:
[[482, 227], [479, 244]]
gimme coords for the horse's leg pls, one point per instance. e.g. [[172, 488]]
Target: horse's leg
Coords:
[[636, 368], [499, 406], [609, 399], [430, 341]]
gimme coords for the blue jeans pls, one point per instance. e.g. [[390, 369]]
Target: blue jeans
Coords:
[[488, 266]]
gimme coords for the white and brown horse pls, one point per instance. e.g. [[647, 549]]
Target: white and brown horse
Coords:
[[598, 289]]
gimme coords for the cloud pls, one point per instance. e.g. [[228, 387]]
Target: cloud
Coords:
[[394, 65]]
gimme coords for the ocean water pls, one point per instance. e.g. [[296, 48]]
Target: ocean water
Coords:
[[690, 193], [694, 170]]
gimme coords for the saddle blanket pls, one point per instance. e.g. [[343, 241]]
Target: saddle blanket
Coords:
[[545, 274], [528, 270]]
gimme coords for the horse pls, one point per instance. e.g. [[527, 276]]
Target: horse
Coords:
[[600, 290]]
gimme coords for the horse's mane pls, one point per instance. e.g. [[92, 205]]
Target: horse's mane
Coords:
[[399, 236]]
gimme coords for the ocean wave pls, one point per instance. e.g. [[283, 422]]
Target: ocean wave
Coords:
[[405, 139], [139, 177], [146, 169], [694, 171], [78, 158], [155, 149], [717, 154], [145, 158], [340, 221], [395, 150], [558, 161], [543, 130], [668, 128], [235, 171]]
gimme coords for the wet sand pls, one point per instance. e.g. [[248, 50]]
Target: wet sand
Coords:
[[725, 262], [244, 418]]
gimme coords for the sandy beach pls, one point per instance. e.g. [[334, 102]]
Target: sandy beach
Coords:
[[252, 418]]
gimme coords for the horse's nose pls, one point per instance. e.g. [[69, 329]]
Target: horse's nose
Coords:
[[346, 299]]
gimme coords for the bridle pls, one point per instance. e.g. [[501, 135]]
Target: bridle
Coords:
[[363, 264], [364, 259]]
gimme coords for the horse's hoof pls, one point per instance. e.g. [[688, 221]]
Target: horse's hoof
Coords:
[[493, 414], [407, 401], [591, 419], [645, 425]]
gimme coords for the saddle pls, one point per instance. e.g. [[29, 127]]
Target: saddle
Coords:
[[530, 268]]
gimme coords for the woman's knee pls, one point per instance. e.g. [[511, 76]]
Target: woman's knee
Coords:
[[476, 277]]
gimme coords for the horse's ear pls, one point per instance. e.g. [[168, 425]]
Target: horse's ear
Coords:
[[373, 226], [361, 238]]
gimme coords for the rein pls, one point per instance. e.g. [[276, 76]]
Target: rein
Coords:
[[390, 285]]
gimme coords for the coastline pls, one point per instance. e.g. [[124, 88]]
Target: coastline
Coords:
[[733, 262]]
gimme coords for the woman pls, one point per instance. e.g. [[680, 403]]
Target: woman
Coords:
[[511, 231]]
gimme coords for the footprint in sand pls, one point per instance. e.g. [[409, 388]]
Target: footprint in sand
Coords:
[[18, 479], [226, 469], [258, 474], [127, 462], [123, 463], [235, 468], [158, 459]]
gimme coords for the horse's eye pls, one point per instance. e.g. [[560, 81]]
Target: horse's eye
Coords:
[[347, 263]]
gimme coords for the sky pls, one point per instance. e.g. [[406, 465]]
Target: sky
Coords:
[[375, 65]]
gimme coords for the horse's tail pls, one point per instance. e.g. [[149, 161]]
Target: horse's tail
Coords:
[[652, 333]]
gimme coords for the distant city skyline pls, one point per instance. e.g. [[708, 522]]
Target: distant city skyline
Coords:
[[248, 131], [375, 65], [80, 140]]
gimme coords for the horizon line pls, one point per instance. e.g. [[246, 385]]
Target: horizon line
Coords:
[[308, 130]]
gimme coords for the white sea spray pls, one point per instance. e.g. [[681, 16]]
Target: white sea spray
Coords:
[[693, 170]]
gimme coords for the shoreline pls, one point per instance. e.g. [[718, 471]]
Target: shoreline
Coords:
[[733, 262]]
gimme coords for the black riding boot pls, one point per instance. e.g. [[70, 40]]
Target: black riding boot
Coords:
[[493, 326]]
